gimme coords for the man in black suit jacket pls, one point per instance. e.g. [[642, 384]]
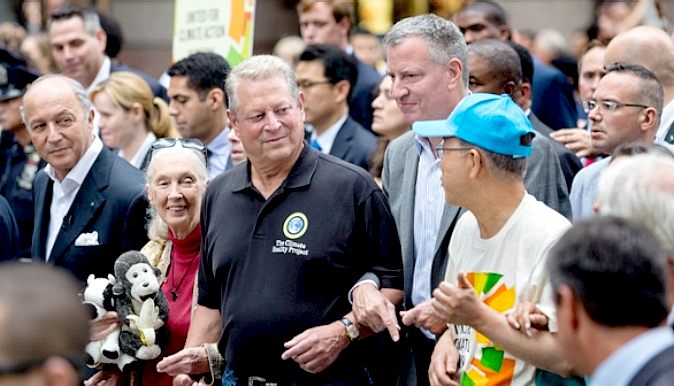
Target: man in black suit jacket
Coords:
[[89, 204], [609, 277], [78, 46], [552, 94], [325, 74], [329, 22]]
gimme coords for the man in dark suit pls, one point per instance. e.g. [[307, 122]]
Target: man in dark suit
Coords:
[[89, 204], [552, 97], [78, 46], [609, 279], [495, 68], [326, 74], [329, 22], [427, 59]]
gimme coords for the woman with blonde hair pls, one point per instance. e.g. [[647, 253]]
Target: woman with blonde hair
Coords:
[[131, 117]]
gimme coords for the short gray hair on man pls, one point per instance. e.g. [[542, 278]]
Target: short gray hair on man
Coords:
[[156, 227], [259, 67], [76, 88], [444, 39], [641, 188], [500, 56]]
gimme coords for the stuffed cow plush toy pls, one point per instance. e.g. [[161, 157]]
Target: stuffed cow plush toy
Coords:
[[98, 300]]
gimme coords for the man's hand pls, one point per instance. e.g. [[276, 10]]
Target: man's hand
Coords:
[[578, 141], [104, 378], [317, 348], [102, 327], [191, 360], [457, 304], [374, 310], [423, 316], [527, 316], [444, 361], [184, 380]]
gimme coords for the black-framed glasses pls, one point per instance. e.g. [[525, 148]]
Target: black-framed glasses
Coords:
[[305, 84], [610, 106], [440, 149], [187, 143]]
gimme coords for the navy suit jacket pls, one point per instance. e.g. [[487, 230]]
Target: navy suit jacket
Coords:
[[362, 94], [552, 97], [111, 201], [354, 144], [157, 89]]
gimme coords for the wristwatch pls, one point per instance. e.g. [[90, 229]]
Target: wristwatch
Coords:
[[351, 330]]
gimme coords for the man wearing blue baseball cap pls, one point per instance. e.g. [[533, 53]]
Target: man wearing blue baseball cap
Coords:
[[499, 247]]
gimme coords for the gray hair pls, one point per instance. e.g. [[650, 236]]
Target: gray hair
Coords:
[[444, 39], [259, 67], [506, 166], [501, 57], [156, 228], [641, 188], [76, 88]]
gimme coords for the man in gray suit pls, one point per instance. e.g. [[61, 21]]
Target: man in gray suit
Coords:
[[427, 59]]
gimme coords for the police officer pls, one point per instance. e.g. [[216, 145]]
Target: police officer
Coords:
[[19, 160]]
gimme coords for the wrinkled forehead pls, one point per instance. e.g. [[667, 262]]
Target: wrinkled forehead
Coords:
[[618, 86]]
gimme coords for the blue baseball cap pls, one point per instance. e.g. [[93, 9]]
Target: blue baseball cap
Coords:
[[492, 122]]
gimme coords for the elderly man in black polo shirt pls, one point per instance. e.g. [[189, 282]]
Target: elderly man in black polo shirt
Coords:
[[286, 236]]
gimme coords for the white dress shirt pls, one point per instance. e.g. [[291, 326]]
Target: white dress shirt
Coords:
[[64, 192], [429, 203]]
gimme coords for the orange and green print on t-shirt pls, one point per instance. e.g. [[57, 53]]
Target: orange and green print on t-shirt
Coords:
[[489, 366]]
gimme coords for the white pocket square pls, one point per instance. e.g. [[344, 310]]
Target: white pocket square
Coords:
[[87, 239]]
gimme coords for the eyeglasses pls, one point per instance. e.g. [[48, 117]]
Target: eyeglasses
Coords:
[[187, 143], [610, 106], [440, 149], [305, 84]]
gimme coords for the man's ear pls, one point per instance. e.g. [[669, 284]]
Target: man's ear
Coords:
[[525, 95], [215, 98], [102, 39], [477, 163], [504, 32], [509, 89], [648, 119], [345, 26], [454, 70], [569, 308], [342, 87]]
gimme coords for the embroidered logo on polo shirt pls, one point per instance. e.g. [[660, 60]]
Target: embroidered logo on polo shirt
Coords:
[[295, 225]]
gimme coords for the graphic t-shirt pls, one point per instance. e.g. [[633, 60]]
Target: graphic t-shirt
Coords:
[[505, 270]]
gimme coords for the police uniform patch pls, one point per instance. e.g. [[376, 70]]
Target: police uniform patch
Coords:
[[295, 226]]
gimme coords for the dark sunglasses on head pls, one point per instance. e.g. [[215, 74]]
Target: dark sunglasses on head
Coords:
[[187, 143]]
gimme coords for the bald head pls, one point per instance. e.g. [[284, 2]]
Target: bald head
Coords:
[[649, 47]]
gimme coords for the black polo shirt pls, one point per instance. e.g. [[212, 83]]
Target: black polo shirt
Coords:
[[276, 267]]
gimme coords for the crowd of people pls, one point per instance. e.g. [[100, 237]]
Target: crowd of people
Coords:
[[446, 205]]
